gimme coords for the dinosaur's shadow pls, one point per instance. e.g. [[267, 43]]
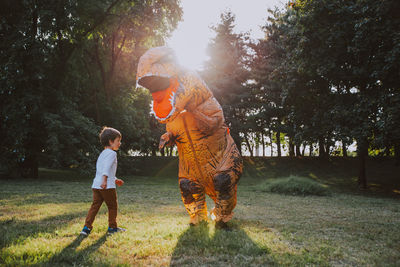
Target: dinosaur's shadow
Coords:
[[198, 246]]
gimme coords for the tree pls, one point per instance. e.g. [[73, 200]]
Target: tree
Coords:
[[227, 73], [68, 68], [335, 71], [354, 49]]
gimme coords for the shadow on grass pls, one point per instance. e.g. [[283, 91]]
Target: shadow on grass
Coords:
[[13, 230], [69, 256], [196, 247]]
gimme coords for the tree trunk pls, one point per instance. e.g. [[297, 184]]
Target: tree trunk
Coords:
[[256, 148], [362, 153], [30, 167], [271, 143], [344, 149], [94, 96], [248, 145], [303, 150], [321, 147], [291, 147], [311, 149], [263, 143], [387, 149], [298, 154], [327, 150], [278, 143], [397, 153]]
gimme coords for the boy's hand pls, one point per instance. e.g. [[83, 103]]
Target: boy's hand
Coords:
[[119, 182], [104, 183]]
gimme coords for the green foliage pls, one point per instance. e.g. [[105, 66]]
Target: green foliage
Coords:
[[294, 185], [324, 73], [67, 69], [327, 62]]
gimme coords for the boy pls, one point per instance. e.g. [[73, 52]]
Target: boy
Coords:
[[104, 183]]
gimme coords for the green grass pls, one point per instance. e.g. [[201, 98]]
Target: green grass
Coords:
[[40, 221]]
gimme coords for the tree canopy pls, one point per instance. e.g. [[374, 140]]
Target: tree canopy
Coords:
[[326, 73], [68, 68]]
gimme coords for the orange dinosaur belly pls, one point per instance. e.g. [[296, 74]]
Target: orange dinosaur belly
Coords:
[[200, 156]]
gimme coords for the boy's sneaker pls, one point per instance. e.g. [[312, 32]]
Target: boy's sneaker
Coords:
[[85, 231], [115, 230]]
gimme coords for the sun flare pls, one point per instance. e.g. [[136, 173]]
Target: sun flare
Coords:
[[193, 34], [191, 38], [189, 42], [190, 54]]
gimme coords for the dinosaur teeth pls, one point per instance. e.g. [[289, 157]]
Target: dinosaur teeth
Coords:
[[152, 108], [172, 99]]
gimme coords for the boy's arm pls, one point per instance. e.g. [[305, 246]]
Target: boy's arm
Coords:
[[107, 168], [104, 183]]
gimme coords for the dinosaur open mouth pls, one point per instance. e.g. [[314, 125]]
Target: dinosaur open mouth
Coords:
[[154, 83], [164, 101], [163, 91]]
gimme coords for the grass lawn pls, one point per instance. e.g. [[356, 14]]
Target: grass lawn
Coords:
[[40, 221]]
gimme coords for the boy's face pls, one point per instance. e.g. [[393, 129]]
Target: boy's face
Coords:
[[116, 143]]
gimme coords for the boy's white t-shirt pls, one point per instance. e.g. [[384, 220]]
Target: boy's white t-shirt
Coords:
[[106, 165]]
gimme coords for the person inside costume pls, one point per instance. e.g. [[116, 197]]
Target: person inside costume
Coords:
[[209, 161]]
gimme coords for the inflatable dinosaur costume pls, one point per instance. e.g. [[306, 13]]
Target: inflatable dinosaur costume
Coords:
[[209, 161]]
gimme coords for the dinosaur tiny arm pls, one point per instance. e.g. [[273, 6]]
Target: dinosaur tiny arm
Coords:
[[165, 139]]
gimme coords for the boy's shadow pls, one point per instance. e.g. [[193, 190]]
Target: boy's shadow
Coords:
[[69, 256], [197, 247], [21, 229]]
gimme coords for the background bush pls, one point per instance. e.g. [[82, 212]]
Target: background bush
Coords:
[[294, 185]]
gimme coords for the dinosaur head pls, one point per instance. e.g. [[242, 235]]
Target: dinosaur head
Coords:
[[158, 72]]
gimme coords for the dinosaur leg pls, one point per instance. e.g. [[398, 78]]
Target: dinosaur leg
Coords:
[[225, 186], [193, 198]]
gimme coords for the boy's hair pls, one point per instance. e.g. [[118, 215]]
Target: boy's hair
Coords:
[[108, 134]]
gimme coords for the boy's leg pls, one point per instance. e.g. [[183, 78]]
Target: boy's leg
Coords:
[[110, 197], [97, 201], [194, 199]]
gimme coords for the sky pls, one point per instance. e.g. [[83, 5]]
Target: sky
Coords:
[[193, 34]]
